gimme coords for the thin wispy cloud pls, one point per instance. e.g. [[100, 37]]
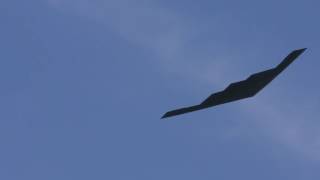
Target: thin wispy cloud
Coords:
[[170, 36], [152, 27]]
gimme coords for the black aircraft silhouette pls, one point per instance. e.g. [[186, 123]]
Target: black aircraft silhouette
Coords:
[[241, 90]]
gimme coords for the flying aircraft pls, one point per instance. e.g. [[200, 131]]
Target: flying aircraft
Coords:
[[242, 89]]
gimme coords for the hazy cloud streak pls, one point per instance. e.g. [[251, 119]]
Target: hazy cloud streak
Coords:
[[170, 37]]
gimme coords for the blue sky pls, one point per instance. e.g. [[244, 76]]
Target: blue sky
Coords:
[[84, 84]]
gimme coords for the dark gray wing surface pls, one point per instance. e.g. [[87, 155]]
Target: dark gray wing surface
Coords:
[[242, 89]]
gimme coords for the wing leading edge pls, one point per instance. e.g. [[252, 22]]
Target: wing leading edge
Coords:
[[240, 90]]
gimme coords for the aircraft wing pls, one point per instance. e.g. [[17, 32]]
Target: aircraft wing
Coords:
[[242, 89]]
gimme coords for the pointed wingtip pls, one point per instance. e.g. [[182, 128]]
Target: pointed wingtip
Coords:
[[301, 50], [165, 116]]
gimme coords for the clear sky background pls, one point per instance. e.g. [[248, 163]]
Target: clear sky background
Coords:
[[85, 82]]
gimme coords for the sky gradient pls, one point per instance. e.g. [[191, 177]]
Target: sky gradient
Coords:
[[85, 82]]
